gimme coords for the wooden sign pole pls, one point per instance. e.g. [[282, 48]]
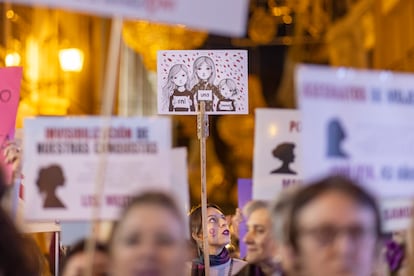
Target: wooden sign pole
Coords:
[[202, 132], [106, 113]]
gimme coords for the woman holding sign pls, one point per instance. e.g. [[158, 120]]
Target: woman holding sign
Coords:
[[218, 237]]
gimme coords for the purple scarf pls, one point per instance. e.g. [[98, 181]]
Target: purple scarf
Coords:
[[394, 254], [197, 268]]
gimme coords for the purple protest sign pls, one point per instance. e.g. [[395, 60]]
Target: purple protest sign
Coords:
[[244, 186]]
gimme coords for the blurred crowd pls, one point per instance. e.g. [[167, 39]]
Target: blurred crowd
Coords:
[[329, 227]]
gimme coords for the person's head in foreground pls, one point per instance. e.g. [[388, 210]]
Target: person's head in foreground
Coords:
[[149, 237], [333, 229], [77, 260], [260, 243], [19, 254], [279, 210]]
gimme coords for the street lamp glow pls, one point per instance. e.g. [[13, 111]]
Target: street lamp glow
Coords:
[[71, 60], [12, 59]]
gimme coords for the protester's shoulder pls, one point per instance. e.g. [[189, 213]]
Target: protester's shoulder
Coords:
[[244, 271], [238, 265], [188, 266]]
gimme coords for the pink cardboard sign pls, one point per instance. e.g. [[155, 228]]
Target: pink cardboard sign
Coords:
[[10, 79]]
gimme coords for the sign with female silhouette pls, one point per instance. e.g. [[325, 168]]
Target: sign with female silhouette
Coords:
[[284, 152], [62, 161], [48, 180], [335, 138], [216, 77], [276, 152], [359, 123]]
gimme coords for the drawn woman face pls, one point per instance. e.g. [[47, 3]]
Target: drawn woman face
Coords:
[[180, 79], [225, 91], [204, 71]]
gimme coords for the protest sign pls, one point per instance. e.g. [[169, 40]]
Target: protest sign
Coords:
[[72, 231], [277, 148], [221, 17], [397, 214], [358, 123], [244, 192], [61, 157], [216, 77], [10, 79], [179, 177]]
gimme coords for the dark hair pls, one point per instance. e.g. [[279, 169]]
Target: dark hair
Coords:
[[16, 250], [283, 150], [79, 247], [3, 182], [158, 198], [19, 254], [337, 183], [196, 221]]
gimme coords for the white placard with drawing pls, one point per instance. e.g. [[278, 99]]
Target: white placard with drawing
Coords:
[[216, 77]]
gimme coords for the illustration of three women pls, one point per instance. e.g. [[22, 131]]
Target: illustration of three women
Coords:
[[184, 92]]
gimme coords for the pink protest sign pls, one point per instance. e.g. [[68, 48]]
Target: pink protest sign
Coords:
[[10, 79]]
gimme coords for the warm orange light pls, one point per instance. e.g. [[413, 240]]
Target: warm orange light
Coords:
[[287, 19], [71, 60], [12, 59], [53, 106], [10, 14], [273, 130], [148, 38]]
